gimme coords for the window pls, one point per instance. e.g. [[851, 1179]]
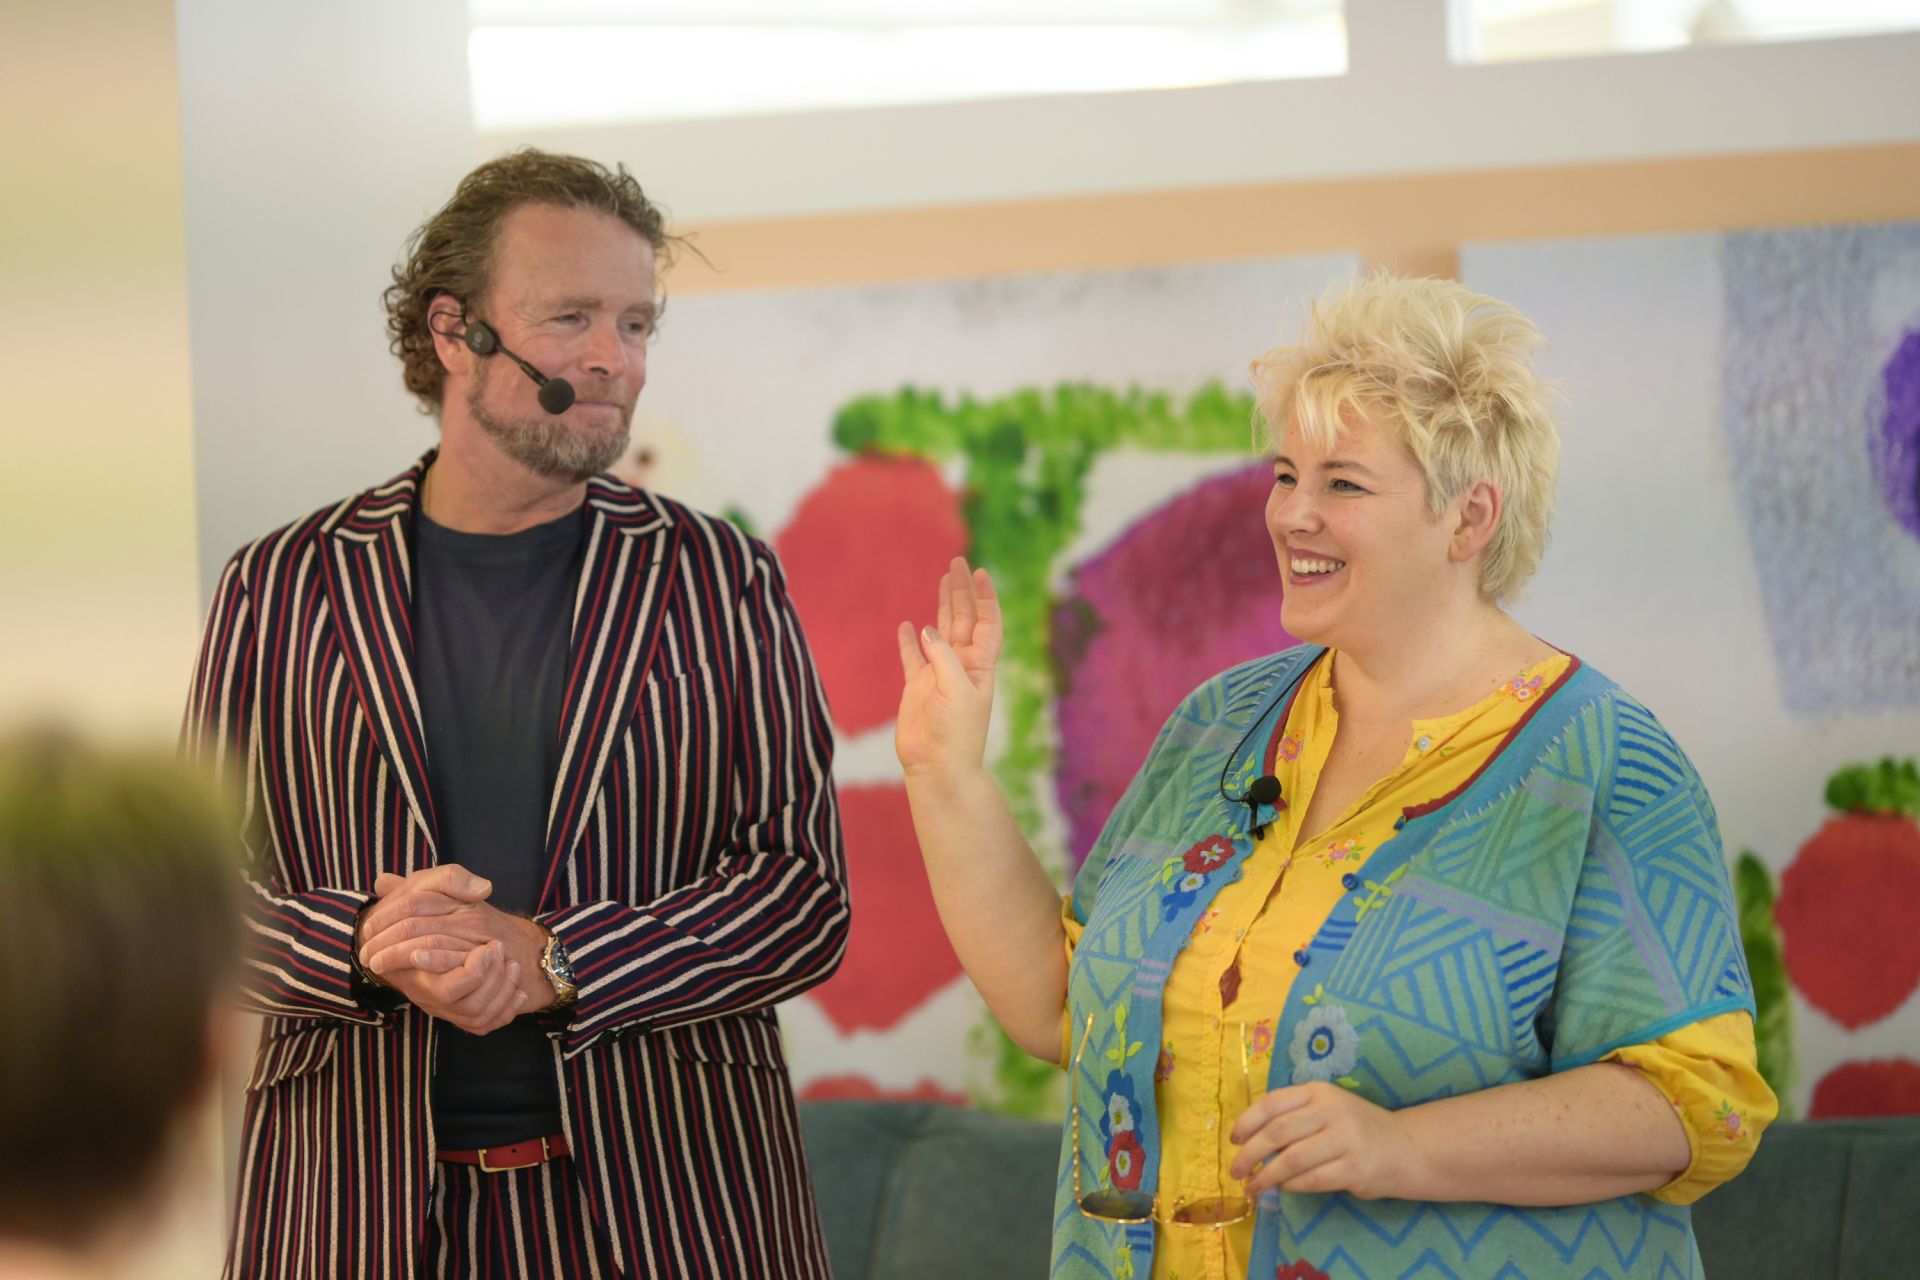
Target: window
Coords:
[[1520, 30], [557, 62]]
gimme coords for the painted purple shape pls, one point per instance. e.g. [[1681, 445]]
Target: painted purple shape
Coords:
[[1185, 593], [1896, 449]]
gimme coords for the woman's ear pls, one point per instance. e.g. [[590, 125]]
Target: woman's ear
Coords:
[[1479, 515]]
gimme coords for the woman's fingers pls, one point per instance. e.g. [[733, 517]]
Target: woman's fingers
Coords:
[[948, 671], [1274, 1137], [960, 580], [1295, 1168], [943, 609], [986, 631], [910, 659]]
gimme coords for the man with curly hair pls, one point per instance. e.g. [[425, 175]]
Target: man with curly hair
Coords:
[[538, 779]]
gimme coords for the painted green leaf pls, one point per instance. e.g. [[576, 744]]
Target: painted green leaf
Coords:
[[1754, 892], [1024, 460], [1889, 787]]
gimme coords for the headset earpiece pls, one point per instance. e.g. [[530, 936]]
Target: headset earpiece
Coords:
[[480, 338]]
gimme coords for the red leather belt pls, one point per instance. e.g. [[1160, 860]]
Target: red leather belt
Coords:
[[515, 1155]]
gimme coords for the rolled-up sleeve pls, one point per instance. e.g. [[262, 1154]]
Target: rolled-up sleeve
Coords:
[[1710, 1072]]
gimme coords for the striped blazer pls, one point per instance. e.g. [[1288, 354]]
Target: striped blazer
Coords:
[[694, 870]]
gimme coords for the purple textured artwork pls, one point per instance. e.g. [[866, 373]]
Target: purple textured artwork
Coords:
[[1896, 450], [1186, 592], [1821, 407]]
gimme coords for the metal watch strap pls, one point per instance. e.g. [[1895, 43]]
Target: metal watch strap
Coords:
[[559, 971]]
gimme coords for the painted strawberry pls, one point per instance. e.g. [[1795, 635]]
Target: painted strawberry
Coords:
[[897, 954], [857, 554], [1848, 902], [1883, 1087]]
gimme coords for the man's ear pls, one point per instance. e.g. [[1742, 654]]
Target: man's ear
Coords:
[[446, 319], [1479, 515]]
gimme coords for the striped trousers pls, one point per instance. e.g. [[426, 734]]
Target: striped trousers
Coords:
[[520, 1224]]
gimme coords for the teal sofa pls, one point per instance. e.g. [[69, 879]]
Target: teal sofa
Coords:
[[918, 1191]]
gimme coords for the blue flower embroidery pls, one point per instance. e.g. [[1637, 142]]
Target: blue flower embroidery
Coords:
[[1325, 1045], [1122, 1106], [1185, 891]]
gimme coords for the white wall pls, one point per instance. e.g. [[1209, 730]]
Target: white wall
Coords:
[[1403, 108], [315, 137]]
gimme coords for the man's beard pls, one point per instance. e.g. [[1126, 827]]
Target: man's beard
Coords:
[[546, 446]]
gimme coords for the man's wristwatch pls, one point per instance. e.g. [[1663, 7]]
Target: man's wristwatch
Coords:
[[360, 971], [559, 971]]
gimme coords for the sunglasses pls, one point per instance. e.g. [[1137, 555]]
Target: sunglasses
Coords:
[[1112, 1204]]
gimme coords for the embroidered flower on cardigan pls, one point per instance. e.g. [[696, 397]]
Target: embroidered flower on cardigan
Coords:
[[1522, 688], [1125, 1157], [1289, 749], [1325, 1045], [1163, 1069], [1122, 1106], [1207, 855], [1733, 1124], [1186, 890]]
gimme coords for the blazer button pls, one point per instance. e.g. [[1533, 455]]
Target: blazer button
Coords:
[[1350, 881], [1301, 957]]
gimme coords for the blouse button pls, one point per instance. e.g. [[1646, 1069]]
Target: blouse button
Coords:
[[1423, 742], [1349, 881], [1301, 957]]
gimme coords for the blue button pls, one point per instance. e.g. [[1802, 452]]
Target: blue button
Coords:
[[1350, 881], [1301, 957]]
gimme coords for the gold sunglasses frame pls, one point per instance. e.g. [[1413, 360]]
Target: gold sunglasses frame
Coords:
[[1212, 1213]]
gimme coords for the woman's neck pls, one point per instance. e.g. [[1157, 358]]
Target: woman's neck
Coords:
[[1432, 670]]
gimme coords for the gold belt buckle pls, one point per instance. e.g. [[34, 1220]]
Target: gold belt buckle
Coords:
[[546, 1154]]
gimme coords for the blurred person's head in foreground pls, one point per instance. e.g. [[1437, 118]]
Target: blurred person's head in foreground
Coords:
[[118, 931]]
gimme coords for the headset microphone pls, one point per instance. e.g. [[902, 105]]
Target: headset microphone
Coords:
[[556, 394]]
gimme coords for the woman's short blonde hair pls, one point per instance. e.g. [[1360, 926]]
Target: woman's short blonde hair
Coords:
[[1451, 371]]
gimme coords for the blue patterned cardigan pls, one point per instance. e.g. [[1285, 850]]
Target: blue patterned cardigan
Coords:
[[1569, 900]]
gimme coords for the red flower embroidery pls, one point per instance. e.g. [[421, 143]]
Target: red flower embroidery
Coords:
[[1208, 854], [1125, 1157], [1290, 747], [1298, 1270]]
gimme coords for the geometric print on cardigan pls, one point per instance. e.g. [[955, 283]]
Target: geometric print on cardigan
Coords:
[[1576, 881], [1579, 1241]]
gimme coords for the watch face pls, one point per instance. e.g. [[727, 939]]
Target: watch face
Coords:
[[557, 963]]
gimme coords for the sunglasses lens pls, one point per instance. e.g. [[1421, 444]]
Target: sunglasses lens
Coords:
[[1118, 1206], [1215, 1211]]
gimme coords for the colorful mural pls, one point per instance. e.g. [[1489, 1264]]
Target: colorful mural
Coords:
[[1088, 676], [1738, 544]]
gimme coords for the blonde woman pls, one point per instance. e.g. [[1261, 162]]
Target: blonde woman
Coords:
[[1409, 949]]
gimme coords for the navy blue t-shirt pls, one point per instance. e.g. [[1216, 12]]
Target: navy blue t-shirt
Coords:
[[492, 617]]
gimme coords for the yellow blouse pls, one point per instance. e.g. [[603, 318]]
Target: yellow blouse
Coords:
[[1228, 984]]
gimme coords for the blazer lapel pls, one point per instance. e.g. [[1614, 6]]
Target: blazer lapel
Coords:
[[626, 584], [369, 582]]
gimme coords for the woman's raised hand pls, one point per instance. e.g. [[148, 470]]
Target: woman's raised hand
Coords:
[[949, 667]]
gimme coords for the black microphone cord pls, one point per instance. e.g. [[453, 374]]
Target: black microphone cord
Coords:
[[1263, 790]]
